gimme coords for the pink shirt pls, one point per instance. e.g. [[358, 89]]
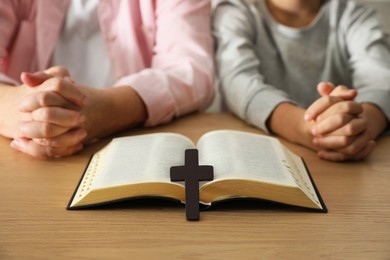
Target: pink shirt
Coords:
[[161, 48]]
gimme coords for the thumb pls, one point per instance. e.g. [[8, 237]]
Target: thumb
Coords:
[[34, 79], [37, 78], [325, 88]]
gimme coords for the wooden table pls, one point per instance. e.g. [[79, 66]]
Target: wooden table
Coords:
[[35, 223]]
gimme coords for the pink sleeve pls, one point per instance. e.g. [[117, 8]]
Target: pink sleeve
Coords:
[[16, 18], [8, 24], [180, 79]]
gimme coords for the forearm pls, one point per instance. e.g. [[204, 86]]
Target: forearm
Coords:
[[377, 121], [9, 113], [113, 110], [287, 120], [3, 107]]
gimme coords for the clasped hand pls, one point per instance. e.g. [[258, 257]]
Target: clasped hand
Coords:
[[340, 131], [56, 125]]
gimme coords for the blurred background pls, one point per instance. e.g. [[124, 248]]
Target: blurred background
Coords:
[[382, 7]]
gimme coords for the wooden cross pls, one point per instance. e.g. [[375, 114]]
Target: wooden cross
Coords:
[[191, 173]]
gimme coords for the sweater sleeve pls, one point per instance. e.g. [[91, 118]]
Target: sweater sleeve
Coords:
[[369, 56], [180, 79], [242, 85]]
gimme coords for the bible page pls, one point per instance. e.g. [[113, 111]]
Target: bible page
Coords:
[[140, 159], [298, 171], [240, 155]]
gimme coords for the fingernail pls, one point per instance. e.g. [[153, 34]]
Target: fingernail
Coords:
[[307, 117], [15, 144], [84, 134], [314, 131], [82, 119]]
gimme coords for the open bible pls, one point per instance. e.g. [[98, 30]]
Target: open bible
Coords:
[[245, 165]]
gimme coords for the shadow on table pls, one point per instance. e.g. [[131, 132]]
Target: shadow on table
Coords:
[[246, 204]]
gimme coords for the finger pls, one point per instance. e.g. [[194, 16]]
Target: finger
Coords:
[[70, 138], [44, 99], [347, 107], [319, 106], [34, 129], [30, 147], [327, 88], [356, 148], [339, 156], [334, 156], [332, 142], [331, 123], [365, 152], [58, 116], [344, 92], [359, 143], [355, 127], [66, 88]]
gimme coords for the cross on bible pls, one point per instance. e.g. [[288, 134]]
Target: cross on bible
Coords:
[[191, 173]]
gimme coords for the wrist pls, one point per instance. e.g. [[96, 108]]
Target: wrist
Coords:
[[305, 133], [287, 120], [376, 119], [111, 110], [9, 112]]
